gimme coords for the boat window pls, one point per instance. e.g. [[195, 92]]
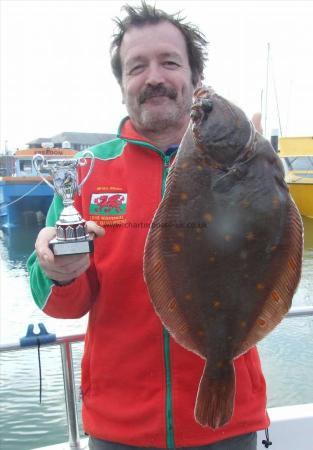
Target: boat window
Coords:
[[301, 162], [26, 166]]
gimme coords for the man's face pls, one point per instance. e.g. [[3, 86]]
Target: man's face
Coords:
[[156, 81]]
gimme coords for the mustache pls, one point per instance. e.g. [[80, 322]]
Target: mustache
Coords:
[[157, 91]]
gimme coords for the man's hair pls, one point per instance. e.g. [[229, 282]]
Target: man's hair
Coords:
[[138, 16]]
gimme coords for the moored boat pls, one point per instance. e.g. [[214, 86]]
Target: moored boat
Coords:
[[24, 197], [297, 155]]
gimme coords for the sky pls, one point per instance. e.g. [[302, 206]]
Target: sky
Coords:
[[56, 74]]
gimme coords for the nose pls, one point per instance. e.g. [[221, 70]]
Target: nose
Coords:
[[155, 75]]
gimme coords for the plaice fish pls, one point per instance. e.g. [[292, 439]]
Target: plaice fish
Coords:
[[223, 254]]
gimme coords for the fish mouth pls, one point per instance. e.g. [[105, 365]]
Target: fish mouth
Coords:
[[196, 113], [201, 109], [202, 105]]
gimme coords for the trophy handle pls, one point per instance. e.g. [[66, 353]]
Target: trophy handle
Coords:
[[39, 161], [83, 162]]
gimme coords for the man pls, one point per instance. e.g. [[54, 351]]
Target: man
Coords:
[[138, 385]]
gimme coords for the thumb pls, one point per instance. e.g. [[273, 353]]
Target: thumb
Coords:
[[257, 122], [95, 229]]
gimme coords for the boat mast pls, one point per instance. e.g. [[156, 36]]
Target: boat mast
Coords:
[[266, 88]]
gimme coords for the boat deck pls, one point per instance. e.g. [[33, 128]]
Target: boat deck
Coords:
[[291, 429]]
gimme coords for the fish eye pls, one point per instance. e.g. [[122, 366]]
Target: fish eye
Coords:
[[207, 105]]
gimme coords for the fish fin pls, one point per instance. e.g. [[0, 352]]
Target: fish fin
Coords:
[[215, 398], [285, 273], [156, 275]]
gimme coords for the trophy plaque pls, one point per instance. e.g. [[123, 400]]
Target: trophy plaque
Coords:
[[71, 231]]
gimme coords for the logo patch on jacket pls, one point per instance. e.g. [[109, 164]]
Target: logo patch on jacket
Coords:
[[108, 207], [108, 204]]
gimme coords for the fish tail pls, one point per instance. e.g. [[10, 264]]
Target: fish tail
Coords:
[[215, 398]]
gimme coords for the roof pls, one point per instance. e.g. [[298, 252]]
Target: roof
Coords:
[[75, 138], [44, 151], [296, 146]]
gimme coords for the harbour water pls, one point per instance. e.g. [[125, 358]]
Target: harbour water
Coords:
[[287, 354]]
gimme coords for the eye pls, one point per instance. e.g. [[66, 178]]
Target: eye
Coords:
[[171, 64], [136, 69]]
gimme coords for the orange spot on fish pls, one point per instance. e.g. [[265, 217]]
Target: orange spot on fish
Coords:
[[275, 296], [199, 167], [188, 297], [183, 196], [260, 286], [243, 323], [208, 217], [216, 304], [227, 237], [157, 266], [250, 236], [172, 305], [180, 234], [261, 322], [273, 248], [184, 165], [220, 364], [200, 333], [183, 328], [211, 259], [176, 248], [292, 265]]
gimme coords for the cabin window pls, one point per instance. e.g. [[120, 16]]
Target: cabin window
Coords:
[[26, 166], [301, 163]]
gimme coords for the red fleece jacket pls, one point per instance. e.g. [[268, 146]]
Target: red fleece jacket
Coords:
[[138, 385]]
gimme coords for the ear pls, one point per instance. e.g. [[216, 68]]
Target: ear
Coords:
[[198, 82]]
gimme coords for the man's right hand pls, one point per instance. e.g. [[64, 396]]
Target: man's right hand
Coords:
[[63, 269]]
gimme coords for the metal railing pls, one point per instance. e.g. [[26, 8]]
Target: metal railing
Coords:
[[65, 343]]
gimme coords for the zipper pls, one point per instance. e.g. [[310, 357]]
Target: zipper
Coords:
[[166, 167], [166, 347]]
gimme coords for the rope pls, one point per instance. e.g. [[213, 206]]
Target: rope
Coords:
[[40, 374], [266, 442], [22, 196], [276, 97]]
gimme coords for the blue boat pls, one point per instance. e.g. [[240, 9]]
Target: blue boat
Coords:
[[24, 197]]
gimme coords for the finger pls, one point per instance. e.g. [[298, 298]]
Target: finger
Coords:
[[257, 122], [42, 244], [66, 275], [94, 229], [70, 262]]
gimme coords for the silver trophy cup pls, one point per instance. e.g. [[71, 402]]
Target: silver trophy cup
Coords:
[[71, 231]]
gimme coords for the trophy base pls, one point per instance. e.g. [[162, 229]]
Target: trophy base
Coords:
[[60, 248]]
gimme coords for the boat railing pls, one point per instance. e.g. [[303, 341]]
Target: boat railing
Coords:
[[65, 344]]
